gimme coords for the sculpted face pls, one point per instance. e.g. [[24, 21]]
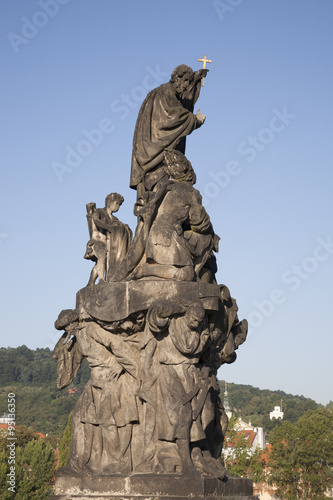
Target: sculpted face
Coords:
[[181, 83], [194, 315], [178, 167], [113, 206]]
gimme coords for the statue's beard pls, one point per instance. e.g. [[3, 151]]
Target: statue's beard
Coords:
[[180, 93]]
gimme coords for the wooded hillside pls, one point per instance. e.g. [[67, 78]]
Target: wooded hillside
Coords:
[[32, 375]]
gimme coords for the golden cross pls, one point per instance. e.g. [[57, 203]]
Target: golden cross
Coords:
[[204, 61]]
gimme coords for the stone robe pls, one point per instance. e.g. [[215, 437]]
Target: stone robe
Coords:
[[163, 122], [182, 234], [104, 415]]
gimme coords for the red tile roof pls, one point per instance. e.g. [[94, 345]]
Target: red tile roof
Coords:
[[40, 435], [249, 435]]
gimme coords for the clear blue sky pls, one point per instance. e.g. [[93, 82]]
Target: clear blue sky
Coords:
[[263, 160]]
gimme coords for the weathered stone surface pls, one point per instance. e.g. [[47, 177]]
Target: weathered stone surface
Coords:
[[162, 486], [151, 404], [109, 238], [116, 301]]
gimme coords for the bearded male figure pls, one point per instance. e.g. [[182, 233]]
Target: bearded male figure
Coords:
[[165, 119]]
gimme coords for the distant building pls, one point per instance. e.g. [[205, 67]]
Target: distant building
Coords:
[[254, 435], [72, 391], [226, 405], [276, 413], [240, 425], [265, 491], [6, 419]]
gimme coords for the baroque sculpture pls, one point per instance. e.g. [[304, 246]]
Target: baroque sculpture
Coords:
[[156, 327]]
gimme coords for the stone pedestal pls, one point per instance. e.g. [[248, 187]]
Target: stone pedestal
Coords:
[[150, 487], [116, 301]]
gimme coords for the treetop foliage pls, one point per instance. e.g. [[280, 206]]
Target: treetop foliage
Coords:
[[301, 460]]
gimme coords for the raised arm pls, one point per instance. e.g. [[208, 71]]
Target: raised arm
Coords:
[[100, 224]]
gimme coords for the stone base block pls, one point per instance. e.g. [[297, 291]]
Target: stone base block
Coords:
[[150, 487], [115, 301]]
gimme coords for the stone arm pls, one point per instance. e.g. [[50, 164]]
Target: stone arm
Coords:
[[236, 337], [236, 327], [201, 73], [199, 219], [201, 234], [179, 115], [91, 208], [240, 332], [69, 358], [228, 354], [193, 90], [187, 341], [121, 356], [158, 316], [100, 224], [124, 355]]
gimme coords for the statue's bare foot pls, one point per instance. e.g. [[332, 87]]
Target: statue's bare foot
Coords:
[[207, 464]]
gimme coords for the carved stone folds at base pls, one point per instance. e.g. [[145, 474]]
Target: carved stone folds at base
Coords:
[[151, 486]]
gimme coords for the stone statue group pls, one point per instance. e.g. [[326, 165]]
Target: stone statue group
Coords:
[[156, 326]]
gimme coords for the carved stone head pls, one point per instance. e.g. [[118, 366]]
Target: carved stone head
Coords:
[[113, 202], [178, 167], [182, 76], [194, 315]]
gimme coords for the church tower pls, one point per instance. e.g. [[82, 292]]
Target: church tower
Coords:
[[226, 405]]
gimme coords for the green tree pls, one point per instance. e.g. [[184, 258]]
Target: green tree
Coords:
[[4, 470], [22, 434], [65, 443], [35, 470], [301, 460]]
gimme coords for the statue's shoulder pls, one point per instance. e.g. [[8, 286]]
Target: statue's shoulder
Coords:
[[160, 96], [162, 90]]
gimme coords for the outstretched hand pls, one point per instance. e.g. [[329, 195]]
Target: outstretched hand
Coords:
[[202, 73], [200, 117]]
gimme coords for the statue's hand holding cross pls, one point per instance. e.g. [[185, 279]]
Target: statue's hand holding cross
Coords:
[[204, 70]]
